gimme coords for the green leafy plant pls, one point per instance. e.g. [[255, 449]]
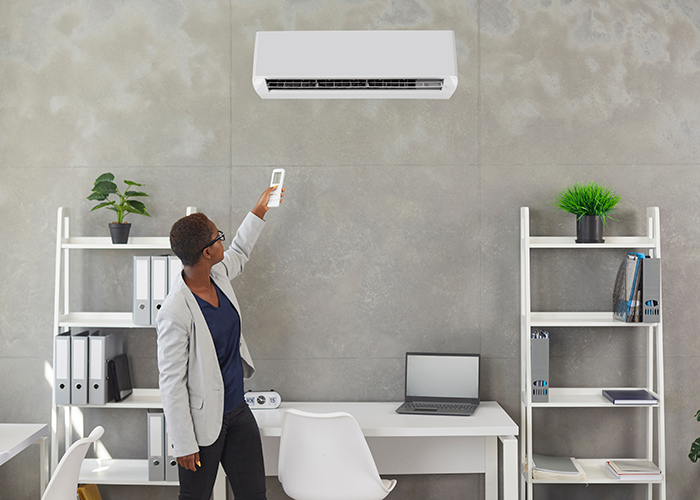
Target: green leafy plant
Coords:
[[588, 199], [104, 187], [695, 447]]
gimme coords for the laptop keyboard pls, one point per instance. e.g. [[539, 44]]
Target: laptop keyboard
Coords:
[[441, 406]]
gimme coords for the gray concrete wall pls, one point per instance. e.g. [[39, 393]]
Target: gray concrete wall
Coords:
[[401, 223]]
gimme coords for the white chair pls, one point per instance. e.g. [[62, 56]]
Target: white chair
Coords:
[[324, 456], [64, 482]]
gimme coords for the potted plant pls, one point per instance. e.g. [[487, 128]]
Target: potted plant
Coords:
[[695, 447], [592, 204], [103, 188]]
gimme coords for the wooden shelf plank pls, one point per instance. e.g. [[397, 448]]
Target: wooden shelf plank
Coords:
[[581, 319], [596, 473], [583, 397], [105, 243], [114, 471], [610, 242], [99, 320], [139, 399]]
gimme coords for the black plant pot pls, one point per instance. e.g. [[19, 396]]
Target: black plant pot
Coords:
[[589, 229], [119, 232]]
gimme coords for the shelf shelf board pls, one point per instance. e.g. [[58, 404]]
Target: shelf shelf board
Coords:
[[118, 471], [596, 473], [145, 399], [580, 319], [105, 243], [583, 397], [610, 242], [99, 320]]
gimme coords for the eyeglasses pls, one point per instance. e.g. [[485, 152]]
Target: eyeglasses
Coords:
[[221, 237]]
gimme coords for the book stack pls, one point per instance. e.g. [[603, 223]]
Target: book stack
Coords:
[[550, 468], [630, 397], [634, 470]]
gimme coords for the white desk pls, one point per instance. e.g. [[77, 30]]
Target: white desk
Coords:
[[419, 444], [15, 438]]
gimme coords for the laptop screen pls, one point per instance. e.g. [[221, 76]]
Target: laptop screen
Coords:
[[444, 376]]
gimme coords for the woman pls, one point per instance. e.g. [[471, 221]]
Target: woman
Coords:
[[203, 358]]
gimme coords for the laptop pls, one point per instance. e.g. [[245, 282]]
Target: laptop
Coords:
[[441, 384]]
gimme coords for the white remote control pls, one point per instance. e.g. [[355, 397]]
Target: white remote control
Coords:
[[277, 179], [263, 400]]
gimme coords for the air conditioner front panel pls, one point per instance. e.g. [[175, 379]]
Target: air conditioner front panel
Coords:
[[337, 56]]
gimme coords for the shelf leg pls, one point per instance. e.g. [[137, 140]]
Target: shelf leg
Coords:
[[219, 492]]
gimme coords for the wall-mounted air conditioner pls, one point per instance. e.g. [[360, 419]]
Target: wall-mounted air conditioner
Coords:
[[355, 64]]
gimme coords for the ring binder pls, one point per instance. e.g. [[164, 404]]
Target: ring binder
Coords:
[[156, 458], [539, 352], [79, 368], [651, 290]]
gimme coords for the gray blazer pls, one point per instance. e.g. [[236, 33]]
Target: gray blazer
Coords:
[[191, 385]]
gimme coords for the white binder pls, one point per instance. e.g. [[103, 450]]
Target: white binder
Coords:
[[142, 290], [170, 459], [156, 429], [174, 270], [61, 366], [103, 347], [159, 284], [79, 368]]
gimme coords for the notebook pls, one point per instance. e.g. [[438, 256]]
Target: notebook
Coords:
[[441, 384]]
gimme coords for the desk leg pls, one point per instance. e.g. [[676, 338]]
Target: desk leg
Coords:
[[43, 464], [491, 466], [510, 467]]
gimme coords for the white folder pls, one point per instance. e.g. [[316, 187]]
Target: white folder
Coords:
[[170, 459], [61, 365], [156, 458], [174, 270], [103, 347], [142, 290], [159, 284], [79, 368]]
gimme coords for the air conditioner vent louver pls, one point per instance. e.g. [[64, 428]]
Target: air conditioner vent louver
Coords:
[[355, 84]]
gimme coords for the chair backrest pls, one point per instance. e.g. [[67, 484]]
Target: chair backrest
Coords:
[[325, 456], [64, 482]]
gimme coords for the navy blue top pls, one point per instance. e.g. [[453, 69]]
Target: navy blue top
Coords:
[[225, 326]]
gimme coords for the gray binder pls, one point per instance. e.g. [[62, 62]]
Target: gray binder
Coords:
[[540, 369], [170, 459], [142, 290], [159, 284], [156, 458], [103, 347], [174, 270], [651, 290], [79, 368], [61, 368]]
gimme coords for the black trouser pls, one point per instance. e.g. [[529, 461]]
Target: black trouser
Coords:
[[239, 450]]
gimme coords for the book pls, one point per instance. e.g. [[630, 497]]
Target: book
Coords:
[[627, 300], [547, 467], [634, 467], [630, 397], [634, 470]]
